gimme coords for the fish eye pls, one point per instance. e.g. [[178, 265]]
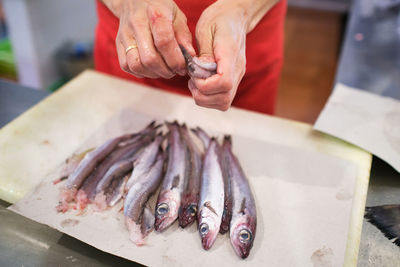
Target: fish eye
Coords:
[[244, 236], [162, 208], [203, 229], [192, 210]]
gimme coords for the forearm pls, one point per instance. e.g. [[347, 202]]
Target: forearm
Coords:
[[252, 10]]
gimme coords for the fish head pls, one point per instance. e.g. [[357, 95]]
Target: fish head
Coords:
[[167, 209], [209, 223], [242, 236], [187, 214]]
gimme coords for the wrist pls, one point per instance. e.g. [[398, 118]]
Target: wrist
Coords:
[[114, 6], [252, 10]]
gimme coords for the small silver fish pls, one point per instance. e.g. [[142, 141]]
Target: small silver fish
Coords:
[[145, 160], [244, 217], [211, 204], [86, 166], [138, 221], [169, 198], [190, 199], [197, 68]]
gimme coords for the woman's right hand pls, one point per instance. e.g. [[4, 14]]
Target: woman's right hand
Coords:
[[156, 27]]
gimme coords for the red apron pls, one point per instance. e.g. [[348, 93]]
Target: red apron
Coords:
[[264, 55]]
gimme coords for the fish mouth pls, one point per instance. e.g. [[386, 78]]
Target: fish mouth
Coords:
[[186, 220], [223, 228], [207, 242], [163, 223], [244, 252]]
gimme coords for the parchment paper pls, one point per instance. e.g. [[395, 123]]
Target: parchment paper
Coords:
[[303, 198], [367, 120]]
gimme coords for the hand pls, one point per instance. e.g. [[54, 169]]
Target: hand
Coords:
[[155, 27], [221, 34]]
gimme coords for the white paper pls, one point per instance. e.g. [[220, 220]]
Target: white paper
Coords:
[[303, 198], [367, 120]]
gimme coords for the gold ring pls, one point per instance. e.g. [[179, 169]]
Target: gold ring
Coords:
[[129, 48]]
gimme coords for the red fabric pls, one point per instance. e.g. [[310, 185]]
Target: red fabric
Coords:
[[264, 54]]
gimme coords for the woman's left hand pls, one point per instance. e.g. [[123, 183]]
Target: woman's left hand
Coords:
[[221, 35]]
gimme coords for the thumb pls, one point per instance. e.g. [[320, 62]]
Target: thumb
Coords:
[[205, 40]]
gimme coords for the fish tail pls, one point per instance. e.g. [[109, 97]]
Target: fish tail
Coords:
[[387, 219], [228, 139]]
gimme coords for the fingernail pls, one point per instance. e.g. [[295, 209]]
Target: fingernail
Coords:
[[182, 72]]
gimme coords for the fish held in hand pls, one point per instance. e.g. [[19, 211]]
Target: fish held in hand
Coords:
[[244, 217], [169, 198], [198, 68], [211, 204]]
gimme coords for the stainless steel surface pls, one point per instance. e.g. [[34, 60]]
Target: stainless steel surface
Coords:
[[26, 243]]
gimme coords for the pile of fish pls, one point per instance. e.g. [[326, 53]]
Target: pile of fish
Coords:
[[197, 183]]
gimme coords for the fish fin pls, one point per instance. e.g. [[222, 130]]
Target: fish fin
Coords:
[[175, 181], [243, 206], [208, 205], [387, 219], [147, 223]]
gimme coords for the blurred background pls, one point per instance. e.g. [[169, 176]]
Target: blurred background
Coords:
[[44, 43]]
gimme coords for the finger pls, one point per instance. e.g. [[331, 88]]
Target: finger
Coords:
[[231, 65], [164, 40], [136, 66], [148, 54], [218, 101], [215, 84], [182, 33], [130, 61], [204, 39], [121, 55]]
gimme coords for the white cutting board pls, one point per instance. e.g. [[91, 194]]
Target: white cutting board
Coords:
[[37, 142]]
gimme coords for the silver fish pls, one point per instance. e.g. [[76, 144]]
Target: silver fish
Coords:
[[87, 191], [203, 136], [109, 188], [226, 172], [136, 220], [89, 162], [197, 68], [146, 159], [211, 204], [169, 198], [190, 199], [244, 217]]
